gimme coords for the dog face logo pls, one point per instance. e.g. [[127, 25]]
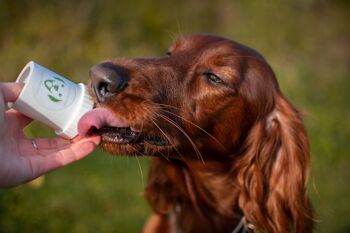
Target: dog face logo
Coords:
[[55, 93], [56, 88]]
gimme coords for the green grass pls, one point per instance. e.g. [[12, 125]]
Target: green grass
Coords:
[[305, 41]]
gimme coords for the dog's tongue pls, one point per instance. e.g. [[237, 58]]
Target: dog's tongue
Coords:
[[98, 118]]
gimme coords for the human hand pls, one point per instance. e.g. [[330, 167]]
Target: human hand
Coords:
[[23, 159]]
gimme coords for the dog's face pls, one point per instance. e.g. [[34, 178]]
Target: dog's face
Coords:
[[201, 98]]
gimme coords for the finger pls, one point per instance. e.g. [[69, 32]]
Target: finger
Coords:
[[50, 143], [59, 143], [11, 91], [87, 137], [77, 138], [21, 120], [60, 158], [48, 146]]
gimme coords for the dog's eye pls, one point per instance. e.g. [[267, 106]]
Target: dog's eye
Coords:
[[168, 53], [213, 78]]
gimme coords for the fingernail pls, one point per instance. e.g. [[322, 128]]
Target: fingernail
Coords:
[[93, 138], [88, 147], [76, 139]]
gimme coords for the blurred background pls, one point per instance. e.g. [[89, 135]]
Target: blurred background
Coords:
[[305, 41]]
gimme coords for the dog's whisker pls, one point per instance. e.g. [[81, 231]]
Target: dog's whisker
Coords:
[[152, 119], [160, 129], [195, 125], [188, 121], [198, 153], [138, 162], [167, 106], [163, 155]]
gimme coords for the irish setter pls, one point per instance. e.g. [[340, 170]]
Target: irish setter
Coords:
[[228, 152]]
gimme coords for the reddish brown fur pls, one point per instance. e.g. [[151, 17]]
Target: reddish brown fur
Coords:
[[254, 154]]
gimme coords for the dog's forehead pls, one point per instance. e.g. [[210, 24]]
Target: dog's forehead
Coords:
[[194, 42], [203, 43]]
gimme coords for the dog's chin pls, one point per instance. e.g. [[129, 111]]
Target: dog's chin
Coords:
[[122, 149], [141, 149]]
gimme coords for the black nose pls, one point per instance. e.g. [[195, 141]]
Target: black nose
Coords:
[[108, 80]]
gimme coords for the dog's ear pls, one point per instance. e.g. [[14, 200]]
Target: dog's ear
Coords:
[[273, 171]]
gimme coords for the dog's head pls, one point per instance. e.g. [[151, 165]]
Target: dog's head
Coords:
[[203, 96]]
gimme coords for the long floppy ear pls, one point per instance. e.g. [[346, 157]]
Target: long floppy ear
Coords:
[[273, 172]]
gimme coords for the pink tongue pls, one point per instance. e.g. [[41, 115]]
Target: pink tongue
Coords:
[[98, 118]]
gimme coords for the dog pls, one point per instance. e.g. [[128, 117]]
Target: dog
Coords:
[[229, 153]]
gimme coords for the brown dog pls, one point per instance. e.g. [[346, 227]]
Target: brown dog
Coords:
[[229, 152]]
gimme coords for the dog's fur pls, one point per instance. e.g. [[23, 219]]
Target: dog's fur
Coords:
[[235, 146]]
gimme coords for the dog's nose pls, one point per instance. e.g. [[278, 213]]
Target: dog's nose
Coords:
[[107, 80]]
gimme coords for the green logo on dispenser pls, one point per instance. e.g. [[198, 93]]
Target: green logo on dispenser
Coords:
[[55, 86]]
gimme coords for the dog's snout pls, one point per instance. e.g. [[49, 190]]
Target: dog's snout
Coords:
[[107, 80]]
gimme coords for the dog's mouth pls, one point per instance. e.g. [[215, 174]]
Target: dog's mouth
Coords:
[[125, 135], [105, 123]]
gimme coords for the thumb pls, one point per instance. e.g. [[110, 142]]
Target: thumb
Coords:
[[10, 91]]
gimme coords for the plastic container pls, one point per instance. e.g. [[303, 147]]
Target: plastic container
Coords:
[[52, 99]]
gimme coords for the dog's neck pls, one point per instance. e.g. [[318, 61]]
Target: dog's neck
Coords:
[[194, 194]]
